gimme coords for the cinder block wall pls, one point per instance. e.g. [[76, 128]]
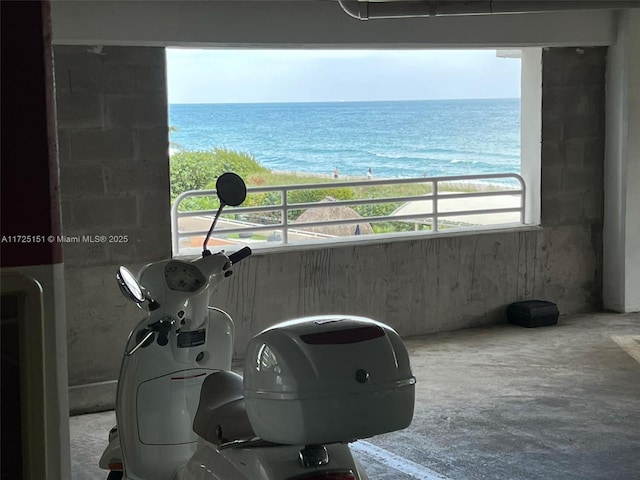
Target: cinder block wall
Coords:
[[572, 190], [115, 180], [114, 184]]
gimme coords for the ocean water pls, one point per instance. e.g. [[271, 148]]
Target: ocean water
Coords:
[[396, 139]]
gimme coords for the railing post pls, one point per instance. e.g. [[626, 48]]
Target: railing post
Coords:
[[285, 216], [175, 232], [523, 199], [435, 206]]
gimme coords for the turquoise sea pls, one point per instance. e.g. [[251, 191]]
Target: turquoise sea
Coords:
[[393, 138]]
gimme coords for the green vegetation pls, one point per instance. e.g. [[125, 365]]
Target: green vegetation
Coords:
[[198, 170]]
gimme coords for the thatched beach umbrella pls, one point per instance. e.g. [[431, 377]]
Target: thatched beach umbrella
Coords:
[[336, 212]]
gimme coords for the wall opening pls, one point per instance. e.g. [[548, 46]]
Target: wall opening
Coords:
[[281, 117]]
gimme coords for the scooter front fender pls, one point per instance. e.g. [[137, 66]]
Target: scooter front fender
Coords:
[[112, 455]]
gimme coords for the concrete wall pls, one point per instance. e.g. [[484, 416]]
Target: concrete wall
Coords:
[[114, 183], [114, 167], [417, 286]]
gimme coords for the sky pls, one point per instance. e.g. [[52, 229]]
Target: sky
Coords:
[[256, 76]]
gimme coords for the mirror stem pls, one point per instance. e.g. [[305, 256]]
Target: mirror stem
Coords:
[[206, 252]]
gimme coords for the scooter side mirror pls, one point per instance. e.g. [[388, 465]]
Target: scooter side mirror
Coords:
[[231, 189], [129, 286]]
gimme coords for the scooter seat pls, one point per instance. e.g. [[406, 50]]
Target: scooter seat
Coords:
[[221, 416]]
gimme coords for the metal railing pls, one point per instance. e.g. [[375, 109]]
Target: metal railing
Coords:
[[442, 207]]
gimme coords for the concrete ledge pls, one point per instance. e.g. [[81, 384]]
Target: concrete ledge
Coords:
[[92, 397], [379, 239]]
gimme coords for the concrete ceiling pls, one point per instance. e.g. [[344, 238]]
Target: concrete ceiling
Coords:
[[312, 23]]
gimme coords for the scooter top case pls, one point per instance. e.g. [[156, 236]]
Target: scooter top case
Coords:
[[326, 379]]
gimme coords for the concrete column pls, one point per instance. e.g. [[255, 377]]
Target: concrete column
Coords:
[[621, 288]]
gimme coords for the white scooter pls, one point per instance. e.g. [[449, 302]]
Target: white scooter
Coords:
[[310, 386]]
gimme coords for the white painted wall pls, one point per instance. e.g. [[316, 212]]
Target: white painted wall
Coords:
[[530, 129], [621, 269], [50, 279], [312, 23], [633, 165]]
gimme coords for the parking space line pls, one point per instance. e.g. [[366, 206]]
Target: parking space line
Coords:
[[630, 344], [397, 462]]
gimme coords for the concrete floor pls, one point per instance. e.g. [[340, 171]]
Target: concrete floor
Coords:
[[505, 402]]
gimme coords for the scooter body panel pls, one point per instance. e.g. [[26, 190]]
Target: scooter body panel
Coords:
[[279, 462], [158, 394]]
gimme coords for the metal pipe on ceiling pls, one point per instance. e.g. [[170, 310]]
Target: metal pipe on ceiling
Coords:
[[365, 10]]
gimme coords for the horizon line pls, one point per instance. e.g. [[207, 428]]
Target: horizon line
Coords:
[[342, 101]]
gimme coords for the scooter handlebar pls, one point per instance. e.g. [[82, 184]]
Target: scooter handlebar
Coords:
[[239, 255]]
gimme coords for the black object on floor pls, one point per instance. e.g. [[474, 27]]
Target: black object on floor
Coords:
[[533, 313]]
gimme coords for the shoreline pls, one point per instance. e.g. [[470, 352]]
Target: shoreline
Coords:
[[475, 185], [323, 175]]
